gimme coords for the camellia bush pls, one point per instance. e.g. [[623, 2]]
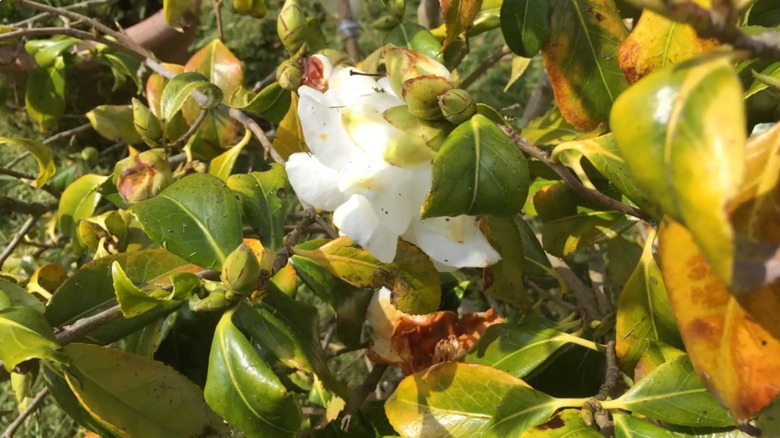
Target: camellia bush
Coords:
[[359, 247]]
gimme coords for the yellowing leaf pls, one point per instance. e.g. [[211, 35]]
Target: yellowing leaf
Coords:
[[565, 424], [656, 42], [684, 146], [26, 335], [42, 154], [222, 166], [78, 202], [177, 11], [733, 340], [46, 279], [581, 59], [289, 135], [134, 396], [458, 15], [114, 122], [519, 66]]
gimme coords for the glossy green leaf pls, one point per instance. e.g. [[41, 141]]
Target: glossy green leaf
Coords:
[[458, 15], [518, 349], [412, 276], [114, 122], [242, 388], [685, 147], [455, 400], [415, 37], [222, 166], [179, 220], [132, 300], [263, 196], [272, 102], [78, 202], [568, 423], [348, 302], [581, 57], [40, 152], [45, 95], [535, 259], [90, 290], [14, 295], [288, 329], [46, 52], [504, 280], [123, 66], [179, 89], [758, 85], [603, 153], [478, 170], [177, 11], [643, 312], [134, 396], [26, 335], [561, 237], [526, 25], [550, 129], [674, 394], [627, 426]]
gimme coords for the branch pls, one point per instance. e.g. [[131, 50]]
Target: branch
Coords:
[[75, 33], [571, 180], [360, 393], [585, 297], [485, 66], [79, 5], [32, 407], [612, 374], [35, 208], [17, 239], [218, 13], [181, 141], [47, 188], [309, 217]]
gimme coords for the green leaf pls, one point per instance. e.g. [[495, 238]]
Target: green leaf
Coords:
[[263, 196], [45, 95], [146, 124], [478, 170], [134, 396], [526, 25], [603, 153], [561, 237], [47, 51], [674, 394], [14, 295], [772, 71], [272, 102], [504, 280], [535, 259], [222, 166], [627, 426], [132, 300], [176, 11], [26, 335], [550, 129], [90, 290], [643, 312], [114, 122], [568, 423], [581, 57], [179, 89], [412, 276], [123, 66], [41, 153], [685, 148], [455, 400], [288, 329], [78, 202], [415, 37], [458, 15], [518, 349], [243, 389], [197, 218]]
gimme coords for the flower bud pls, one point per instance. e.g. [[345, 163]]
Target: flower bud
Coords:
[[143, 176], [241, 270], [422, 96], [146, 124], [457, 106], [398, 7], [289, 75], [404, 64], [291, 26], [255, 8], [89, 155], [385, 22]]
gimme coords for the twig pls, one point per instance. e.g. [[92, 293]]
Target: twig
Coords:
[[571, 180], [79, 5], [597, 271], [327, 228], [17, 239], [346, 350], [544, 293], [485, 66], [612, 374], [181, 141], [360, 393], [46, 31], [349, 28], [19, 421], [309, 217], [47, 188], [585, 297], [35, 208], [69, 133], [218, 12], [85, 325]]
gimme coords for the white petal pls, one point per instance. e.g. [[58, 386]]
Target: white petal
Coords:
[[454, 241], [384, 83], [365, 123], [381, 315], [314, 182], [322, 128], [400, 195], [347, 84], [356, 219]]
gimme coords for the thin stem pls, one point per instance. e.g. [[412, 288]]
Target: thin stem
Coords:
[[349, 28], [69, 133], [35, 208], [218, 12], [309, 217], [360, 393], [46, 31], [612, 374], [574, 183], [345, 350], [79, 5], [17, 239], [485, 66], [585, 297], [181, 141], [47, 188], [32, 407]]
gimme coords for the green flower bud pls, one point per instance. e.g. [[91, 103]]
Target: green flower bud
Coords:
[[143, 176], [146, 124], [241, 270], [457, 106], [289, 75], [397, 7], [89, 155], [404, 64], [255, 8], [291, 26], [386, 22], [422, 96]]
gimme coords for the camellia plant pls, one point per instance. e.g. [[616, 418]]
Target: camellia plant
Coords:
[[359, 247]]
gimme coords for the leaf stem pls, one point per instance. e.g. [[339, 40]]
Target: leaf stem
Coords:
[[485, 66], [35, 208]]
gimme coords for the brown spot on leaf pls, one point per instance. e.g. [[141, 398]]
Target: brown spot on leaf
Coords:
[[555, 422]]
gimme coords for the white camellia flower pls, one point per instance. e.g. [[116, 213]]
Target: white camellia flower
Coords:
[[373, 202]]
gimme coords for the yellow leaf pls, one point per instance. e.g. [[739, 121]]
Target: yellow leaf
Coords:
[[289, 134]]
